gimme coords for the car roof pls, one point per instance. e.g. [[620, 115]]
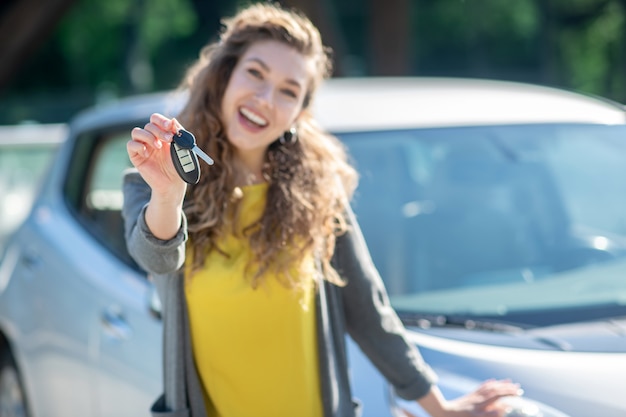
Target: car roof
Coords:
[[381, 103]]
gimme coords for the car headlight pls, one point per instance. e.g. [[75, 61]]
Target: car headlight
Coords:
[[515, 406]]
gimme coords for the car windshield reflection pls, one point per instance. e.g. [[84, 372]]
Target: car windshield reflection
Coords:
[[497, 221]]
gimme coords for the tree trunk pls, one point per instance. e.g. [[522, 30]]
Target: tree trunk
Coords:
[[389, 37], [322, 14], [23, 28], [621, 58], [547, 42]]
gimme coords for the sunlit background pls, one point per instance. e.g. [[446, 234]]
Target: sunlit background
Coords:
[[59, 56]]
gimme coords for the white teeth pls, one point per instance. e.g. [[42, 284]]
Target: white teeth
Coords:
[[253, 117]]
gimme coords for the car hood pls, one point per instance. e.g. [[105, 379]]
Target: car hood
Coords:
[[599, 336], [579, 369], [607, 336]]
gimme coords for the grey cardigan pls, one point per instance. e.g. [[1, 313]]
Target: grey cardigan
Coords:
[[361, 308]]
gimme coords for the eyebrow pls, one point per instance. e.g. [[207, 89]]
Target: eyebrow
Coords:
[[268, 69]]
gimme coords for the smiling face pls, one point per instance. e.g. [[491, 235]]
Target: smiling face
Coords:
[[264, 97]]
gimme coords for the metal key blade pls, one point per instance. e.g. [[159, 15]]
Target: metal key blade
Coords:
[[187, 140], [206, 158]]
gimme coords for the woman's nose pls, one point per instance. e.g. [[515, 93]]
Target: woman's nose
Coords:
[[265, 95]]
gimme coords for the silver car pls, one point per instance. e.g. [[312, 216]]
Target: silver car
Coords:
[[495, 212]]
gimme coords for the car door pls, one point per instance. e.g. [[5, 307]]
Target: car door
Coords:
[[126, 332], [48, 298]]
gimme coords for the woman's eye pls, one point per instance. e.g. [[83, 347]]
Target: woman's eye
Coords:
[[290, 93], [255, 73]]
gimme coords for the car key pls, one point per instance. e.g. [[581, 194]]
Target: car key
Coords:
[[183, 151]]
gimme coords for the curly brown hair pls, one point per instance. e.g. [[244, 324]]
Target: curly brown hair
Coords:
[[309, 180]]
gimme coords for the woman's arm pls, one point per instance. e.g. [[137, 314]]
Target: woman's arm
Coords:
[[375, 327], [372, 322], [155, 255], [153, 198], [164, 213]]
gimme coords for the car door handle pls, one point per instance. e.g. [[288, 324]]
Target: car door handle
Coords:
[[114, 324], [154, 303]]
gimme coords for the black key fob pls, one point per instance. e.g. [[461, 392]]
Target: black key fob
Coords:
[[186, 163]]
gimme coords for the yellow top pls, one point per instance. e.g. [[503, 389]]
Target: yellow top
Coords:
[[255, 349]]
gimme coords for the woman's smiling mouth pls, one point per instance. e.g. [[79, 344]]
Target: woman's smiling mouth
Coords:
[[252, 117]]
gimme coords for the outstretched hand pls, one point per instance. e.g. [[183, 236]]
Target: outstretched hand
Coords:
[[148, 151], [482, 402]]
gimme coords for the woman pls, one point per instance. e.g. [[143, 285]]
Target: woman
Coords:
[[261, 266]]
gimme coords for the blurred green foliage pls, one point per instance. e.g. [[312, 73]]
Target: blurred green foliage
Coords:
[[104, 49], [112, 42]]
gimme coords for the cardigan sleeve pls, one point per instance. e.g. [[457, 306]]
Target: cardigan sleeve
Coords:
[[371, 321], [154, 255]]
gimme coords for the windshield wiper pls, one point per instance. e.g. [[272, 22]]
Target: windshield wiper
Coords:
[[426, 321]]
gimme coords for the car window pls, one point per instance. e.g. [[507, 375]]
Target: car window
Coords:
[[103, 190], [21, 170], [592, 177], [94, 187], [495, 221], [392, 173]]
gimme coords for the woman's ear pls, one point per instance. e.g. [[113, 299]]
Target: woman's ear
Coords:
[[304, 113]]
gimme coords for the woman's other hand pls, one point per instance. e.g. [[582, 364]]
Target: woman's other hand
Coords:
[[482, 402]]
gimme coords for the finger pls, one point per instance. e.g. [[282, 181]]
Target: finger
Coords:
[[159, 134], [507, 387], [142, 135], [492, 403], [146, 138], [492, 395], [487, 396], [177, 125], [136, 148], [162, 122], [499, 386]]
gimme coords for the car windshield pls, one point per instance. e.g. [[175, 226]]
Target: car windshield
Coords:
[[522, 223]]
